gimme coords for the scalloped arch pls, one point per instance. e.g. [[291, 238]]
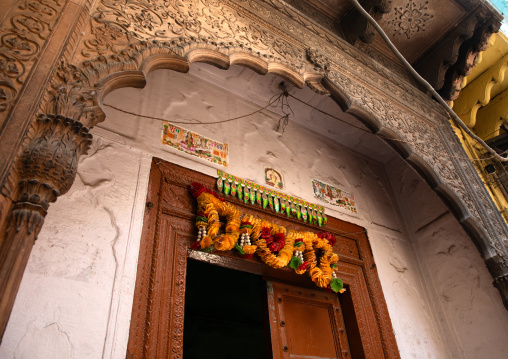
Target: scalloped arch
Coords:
[[153, 56]]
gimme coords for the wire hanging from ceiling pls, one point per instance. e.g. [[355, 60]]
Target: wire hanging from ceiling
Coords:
[[416, 75], [281, 99]]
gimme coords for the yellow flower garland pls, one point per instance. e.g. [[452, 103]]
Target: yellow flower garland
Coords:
[[248, 218], [213, 207]]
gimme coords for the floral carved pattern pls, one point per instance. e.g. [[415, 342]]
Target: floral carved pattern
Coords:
[[21, 40], [125, 34], [410, 19], [120, 23]]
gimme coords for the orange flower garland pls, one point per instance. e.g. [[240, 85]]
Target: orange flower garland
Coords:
[[282, 258], [247, 226], [274, 244]]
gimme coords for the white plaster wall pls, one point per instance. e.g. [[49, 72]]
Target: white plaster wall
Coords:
[[468, 309], [76, 295]]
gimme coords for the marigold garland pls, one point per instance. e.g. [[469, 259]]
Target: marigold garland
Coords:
[[274, 244]]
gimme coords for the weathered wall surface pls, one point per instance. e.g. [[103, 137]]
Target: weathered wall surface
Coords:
[[80, 277], [76, 294], [462, 299]]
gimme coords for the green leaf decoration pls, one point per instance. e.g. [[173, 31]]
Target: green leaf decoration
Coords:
[[201, 219], [209, 249], [336, 285], [220, 184], [246, 226], [239, 249], [240, 192], [298, 244], [334, 265], [295, 262]]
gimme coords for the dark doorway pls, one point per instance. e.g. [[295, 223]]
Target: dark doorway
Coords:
[[230, 297], [225, 313]]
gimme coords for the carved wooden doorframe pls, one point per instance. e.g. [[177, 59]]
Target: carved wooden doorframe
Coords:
[[168, 231], [90, 48]]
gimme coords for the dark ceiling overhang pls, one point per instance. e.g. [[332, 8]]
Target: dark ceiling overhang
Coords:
[[440, 38]]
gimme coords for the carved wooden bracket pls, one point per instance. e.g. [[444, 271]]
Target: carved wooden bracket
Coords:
[[445, 66], [467, 54], [499, 272], [123, 41], [354, 26], [46, 168]]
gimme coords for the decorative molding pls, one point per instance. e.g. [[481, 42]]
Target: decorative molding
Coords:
[[125, 40], [46, 168], [223, 33], [320, 62], [21, 39], [158, 309], [450, 60], [231, 28], [411, 19]]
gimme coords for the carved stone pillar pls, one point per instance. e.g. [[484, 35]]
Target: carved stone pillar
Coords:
[[45, 169], [499, 272]]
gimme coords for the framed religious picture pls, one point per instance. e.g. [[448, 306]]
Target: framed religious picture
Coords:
[[274, 178]]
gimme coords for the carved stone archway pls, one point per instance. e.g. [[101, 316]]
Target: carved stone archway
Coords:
[[86, 57]]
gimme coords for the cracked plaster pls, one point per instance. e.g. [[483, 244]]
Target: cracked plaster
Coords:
[[82, 268]]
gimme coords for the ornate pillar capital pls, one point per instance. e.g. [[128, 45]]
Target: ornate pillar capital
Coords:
[[499, 271], [46, 168]]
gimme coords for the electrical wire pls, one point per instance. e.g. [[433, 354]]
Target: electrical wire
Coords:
[[386, 137], [270, 103], [280, 99], [448, 109]]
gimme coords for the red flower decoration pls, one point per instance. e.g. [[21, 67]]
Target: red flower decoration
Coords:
[[303, 266], [277, 242], [197, 188], [329, 289], [265, 232], [328, 236], [279, 237], [196, 245], [247, 255]]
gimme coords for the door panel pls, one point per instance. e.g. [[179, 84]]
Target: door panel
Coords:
[[168, 230], [305, 323]]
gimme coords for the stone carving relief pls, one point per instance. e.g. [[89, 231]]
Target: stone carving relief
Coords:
[[320, 62], [206, 21], [125, 35], [46, 167], [21, 39], [410, 19]]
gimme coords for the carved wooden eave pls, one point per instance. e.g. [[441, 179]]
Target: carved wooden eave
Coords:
[[440, 37], [121, 42], [452, 58]]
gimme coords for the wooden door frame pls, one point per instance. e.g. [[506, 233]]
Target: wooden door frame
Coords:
[[158, 309]]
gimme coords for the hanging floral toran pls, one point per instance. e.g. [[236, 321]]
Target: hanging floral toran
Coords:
[[274, 244]]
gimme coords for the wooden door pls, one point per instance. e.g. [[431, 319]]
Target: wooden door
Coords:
[[305, 323], [168, 231]]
